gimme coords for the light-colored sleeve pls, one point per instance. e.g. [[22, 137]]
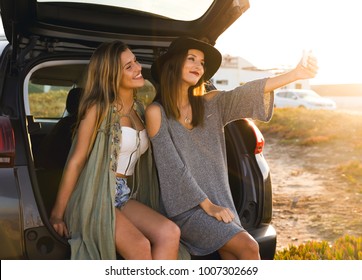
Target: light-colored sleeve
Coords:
[[246, 101]]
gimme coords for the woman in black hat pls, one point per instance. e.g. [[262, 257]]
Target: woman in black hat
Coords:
[[185, 126]]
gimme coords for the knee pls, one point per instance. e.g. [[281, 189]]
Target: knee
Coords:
[[135, 249], [170, 231], [141, 249], [253, 246], [174, 230], [249, 247], [144, 244]]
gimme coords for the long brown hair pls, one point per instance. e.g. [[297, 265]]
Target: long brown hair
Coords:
[[102, 83], [169, 90]]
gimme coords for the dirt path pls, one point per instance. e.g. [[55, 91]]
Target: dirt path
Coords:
[[311, 200]]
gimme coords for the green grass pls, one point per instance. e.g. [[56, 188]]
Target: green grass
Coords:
[[344, 248]]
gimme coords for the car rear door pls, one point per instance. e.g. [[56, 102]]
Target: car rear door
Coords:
[[145, 27]]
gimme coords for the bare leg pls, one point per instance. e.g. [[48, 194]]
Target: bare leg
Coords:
[[241, 247], [163, 234], [225, 255], [130, 242]]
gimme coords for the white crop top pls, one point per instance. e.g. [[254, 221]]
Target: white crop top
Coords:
[[134, 144]]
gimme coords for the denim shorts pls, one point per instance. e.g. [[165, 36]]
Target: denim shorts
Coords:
[[122, 192]]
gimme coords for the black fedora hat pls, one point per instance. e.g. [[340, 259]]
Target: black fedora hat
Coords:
[[212, 56]]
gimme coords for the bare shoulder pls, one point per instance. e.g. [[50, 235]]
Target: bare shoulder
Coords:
[[153, 108], [153, 119], [91, 112], [211, 94], [153, 113]]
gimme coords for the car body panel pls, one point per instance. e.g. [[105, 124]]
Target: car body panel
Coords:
[[10, 216]]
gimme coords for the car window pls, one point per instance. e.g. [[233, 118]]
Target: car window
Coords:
[[281, 94], [47, 101], [47, 85], [290, 95], [186, 10], [310, 93]]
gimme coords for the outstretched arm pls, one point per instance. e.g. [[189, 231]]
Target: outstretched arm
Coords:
[[300, 72]]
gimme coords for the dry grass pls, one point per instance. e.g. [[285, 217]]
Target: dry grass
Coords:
[[303, 127], [52, 104], [352, 172], [316, 160], [48, 105], [335, 135]]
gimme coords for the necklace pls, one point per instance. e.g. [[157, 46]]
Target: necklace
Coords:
[[125, 114], [187, 119]]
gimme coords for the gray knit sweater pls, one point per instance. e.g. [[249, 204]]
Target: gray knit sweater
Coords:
[[192, 163]]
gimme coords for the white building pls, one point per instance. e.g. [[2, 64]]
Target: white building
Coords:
[[235, 71]]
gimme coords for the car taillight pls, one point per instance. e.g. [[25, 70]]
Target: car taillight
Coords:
[[259, 145], [7, 143]]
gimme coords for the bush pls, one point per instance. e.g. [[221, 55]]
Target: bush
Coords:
[[344, 248]]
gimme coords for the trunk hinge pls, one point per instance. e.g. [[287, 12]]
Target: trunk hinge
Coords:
[[18, 55]]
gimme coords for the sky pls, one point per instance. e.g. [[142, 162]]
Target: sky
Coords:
[[274, 33]]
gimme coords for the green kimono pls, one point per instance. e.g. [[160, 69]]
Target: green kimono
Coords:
[[90, 213]]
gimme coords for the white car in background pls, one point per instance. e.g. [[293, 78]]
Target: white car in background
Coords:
[[302, 98]]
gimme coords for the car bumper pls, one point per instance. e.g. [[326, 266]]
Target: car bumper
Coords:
[[266, 237]]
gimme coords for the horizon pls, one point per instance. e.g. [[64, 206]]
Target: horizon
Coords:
[[346, 90]]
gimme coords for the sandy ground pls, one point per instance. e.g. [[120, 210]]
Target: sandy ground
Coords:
[[311, 201]]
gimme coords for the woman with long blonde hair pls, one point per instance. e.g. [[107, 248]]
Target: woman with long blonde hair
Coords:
[[97, 206]]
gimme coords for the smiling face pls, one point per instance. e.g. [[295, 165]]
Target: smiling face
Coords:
[[131, 76], [193, 68]]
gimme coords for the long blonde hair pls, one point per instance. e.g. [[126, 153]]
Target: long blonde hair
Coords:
[[102, 83]]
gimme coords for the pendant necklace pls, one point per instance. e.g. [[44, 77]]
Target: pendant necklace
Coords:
[[187, 120]]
